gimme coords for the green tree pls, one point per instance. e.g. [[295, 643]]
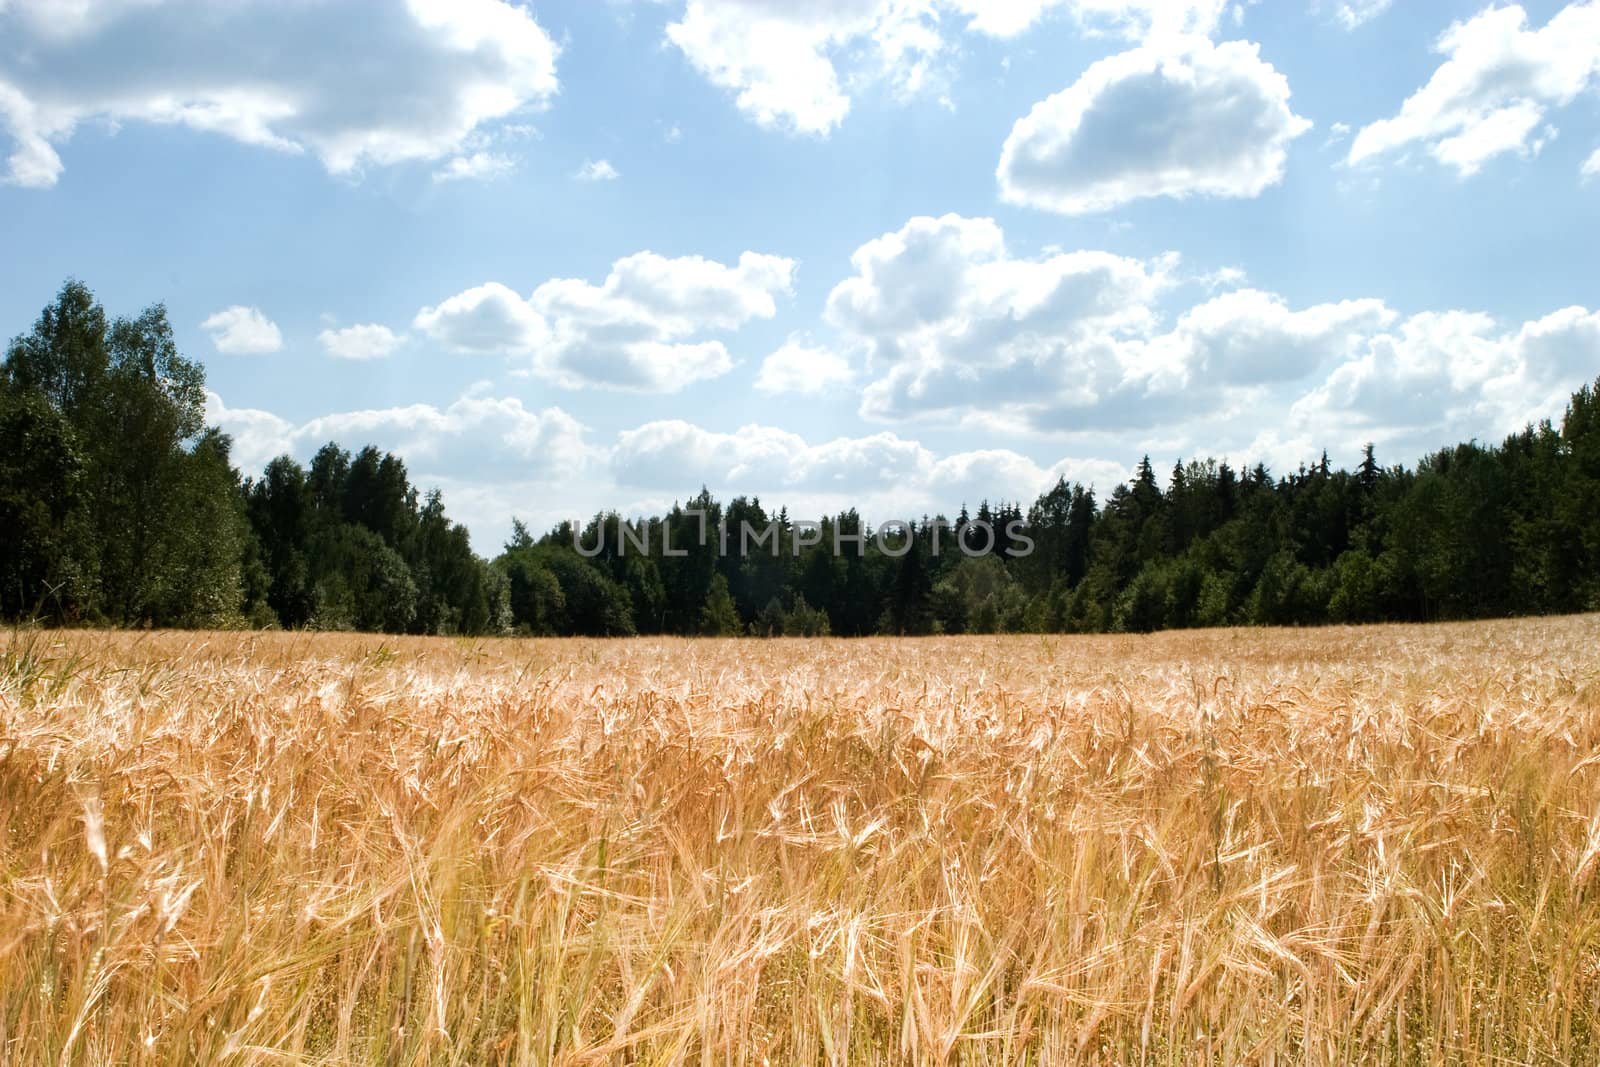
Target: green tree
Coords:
[[538, 606], [361, 583], [718, 616], [204, 576], [279, 506], [136, 408], [803, 620], [46, 556]]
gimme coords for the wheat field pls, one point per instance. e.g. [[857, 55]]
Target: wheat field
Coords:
[[1327, 847]]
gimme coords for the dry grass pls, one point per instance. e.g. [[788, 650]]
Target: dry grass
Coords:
[[1341, 846]]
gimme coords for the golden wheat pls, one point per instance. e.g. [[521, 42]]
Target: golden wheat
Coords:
[[1337, 846]]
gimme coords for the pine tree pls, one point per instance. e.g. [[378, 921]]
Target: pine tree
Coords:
[[1368, 474]]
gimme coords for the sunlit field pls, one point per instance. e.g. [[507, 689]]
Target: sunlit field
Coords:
[[1331, 846]]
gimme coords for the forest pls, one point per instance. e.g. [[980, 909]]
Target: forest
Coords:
[[119, 507]]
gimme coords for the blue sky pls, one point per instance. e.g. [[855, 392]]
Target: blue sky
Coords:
[[901, 254]]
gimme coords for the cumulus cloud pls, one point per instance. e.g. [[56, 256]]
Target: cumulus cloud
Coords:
[[934, 286], [493, 457], [672, 453], [1493, 93], [1357, 13], [1004, 18], [1591, 166], [354, 86], [801, 368], [635, 331], [488, 318], [597, 170], [243, 331], [793, 66], [889, 475], [1249, 337], [778, 57], [363, 342], [993, 474], [477, 432], [1430, 379], [488, 435], [955, 330], [1450, 374], [258, 436], [1179, 118], [642, 330], [951, 322], [480, 166]]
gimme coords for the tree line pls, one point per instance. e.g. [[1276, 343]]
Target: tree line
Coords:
[[119, 506]]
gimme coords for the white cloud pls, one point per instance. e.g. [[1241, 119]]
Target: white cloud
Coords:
[[1004, 18], [488, 318], [363, 342], [1557, 353], [1357, 13], [1086, 346], [637, 330], [33, 162], [492, 457], [952, 323], [1134, 19], [258, 436], [243, 331], [673, 454], [1223, 278], [992, 474], [795, 66], [597, 170], [1492, 94], [1102, 475], [1442, 376], [479, 166], [777, 56], [1591, 166], [1148, 19], [1508, 129], [801, 368], [642, 330], [933, 285], [1177, 119], [479, 433], [886, 475], [355, 87], [1248, 337]]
